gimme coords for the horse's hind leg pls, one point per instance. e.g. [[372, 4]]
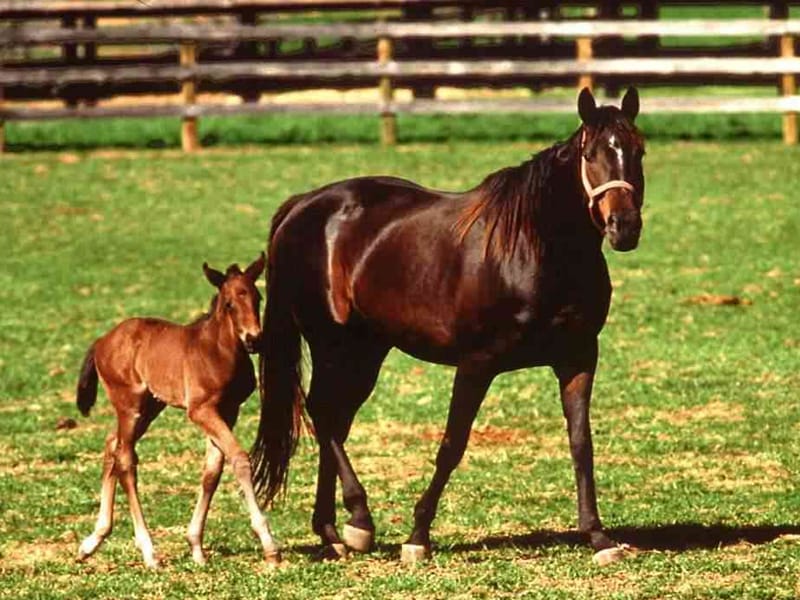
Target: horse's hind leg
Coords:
[[340, 384], [205, 415], [469, 390], [135, 412], [105, 517]]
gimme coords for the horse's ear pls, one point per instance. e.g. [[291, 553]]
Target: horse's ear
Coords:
[[630, 104], [587, 107], [214, 277], [253, 272]]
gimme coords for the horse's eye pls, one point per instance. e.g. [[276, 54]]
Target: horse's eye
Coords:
[[229, 305]]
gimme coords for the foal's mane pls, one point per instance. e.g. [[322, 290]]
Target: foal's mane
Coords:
[[510, 201], [207, 315]]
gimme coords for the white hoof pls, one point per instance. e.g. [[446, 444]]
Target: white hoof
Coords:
[[610, 555], [358, 539], [88, 547], [199, 557], [413, 553]]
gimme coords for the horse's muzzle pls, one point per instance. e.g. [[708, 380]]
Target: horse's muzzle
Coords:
[[623, 230]]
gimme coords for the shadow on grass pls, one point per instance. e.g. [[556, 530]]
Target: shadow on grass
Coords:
[[678, 536], [675, 537]]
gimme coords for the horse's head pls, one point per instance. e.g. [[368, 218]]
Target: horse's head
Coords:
[[238, 299], [611, 167]]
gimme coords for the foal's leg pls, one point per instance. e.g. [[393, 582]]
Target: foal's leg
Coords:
[[105, 517], [212, 471], [134, 414], [206, 416], [469, 390], [575, 382]]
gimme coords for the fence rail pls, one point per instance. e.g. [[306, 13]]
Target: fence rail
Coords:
[[81, 79]]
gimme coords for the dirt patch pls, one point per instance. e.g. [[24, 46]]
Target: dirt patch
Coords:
[[20, 555], [715, 410], [707, 299], [725, 471]]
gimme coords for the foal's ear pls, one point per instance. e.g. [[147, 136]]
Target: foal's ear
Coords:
[[214, 277], [587, 107], [630, 104], [253, 272]]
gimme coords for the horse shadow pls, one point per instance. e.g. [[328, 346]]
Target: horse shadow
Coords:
[[675, 537]]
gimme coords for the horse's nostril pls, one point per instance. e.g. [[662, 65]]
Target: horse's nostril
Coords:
[[612, 221]]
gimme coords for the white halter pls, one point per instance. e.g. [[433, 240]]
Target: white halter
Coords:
[[593, 192]]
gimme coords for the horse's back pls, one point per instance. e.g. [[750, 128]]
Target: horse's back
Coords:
[[119, 354], [383, 248]]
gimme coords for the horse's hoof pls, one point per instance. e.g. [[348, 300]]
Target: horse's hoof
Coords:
[[337, 551], [355, 538], [272, 557], [413, 553], [610, 555], [199, 558]]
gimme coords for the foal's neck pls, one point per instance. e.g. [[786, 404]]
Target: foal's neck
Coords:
[[220, 330]]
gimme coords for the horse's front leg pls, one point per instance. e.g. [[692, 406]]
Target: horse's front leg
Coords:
[[575, 378]]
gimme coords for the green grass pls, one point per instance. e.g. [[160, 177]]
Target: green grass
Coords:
[[695, 410], [324, 129]]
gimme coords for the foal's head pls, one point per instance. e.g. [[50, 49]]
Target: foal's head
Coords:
[[611, 167], [238, 299]]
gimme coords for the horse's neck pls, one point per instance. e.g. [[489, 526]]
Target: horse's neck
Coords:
[[569, 223]]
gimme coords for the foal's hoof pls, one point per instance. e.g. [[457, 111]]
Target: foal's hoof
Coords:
[[414, 553], [355, 538], [610, 555], [337, 551], [272, 557]]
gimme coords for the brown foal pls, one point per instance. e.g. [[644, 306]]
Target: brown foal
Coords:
[[204, 368]]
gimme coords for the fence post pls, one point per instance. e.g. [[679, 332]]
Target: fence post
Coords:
[[69, 54], [388, 118], [3, 51], [89, 56], [189, 139], [584, 52], [788, 88], [2, 122]]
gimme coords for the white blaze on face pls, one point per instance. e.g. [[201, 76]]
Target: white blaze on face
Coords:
[[617, 148]]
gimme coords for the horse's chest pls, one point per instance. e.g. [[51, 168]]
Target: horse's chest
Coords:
[[575, 300]]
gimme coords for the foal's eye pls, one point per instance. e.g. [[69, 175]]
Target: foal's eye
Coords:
[[229, 305]]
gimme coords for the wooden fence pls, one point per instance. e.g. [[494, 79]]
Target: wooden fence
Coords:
[[245, 56]]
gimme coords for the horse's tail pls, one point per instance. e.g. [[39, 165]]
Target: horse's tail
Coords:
[[280, 383], [87, 383]]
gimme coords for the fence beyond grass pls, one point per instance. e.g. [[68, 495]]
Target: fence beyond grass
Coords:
[[98, 59]]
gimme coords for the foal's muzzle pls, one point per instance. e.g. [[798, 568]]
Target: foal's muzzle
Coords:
[[623, 229], [252, 343]]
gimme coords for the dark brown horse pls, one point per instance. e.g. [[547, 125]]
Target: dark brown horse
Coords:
[[505, 276], [203, 368]]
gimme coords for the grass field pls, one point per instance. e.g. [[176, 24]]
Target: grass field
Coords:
[[696, 414]]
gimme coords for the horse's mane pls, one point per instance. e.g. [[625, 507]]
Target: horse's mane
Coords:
[[510, 201], [207, 315]]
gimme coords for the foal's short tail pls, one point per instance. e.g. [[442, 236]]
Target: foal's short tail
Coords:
[[87, 384], [280, 386]]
